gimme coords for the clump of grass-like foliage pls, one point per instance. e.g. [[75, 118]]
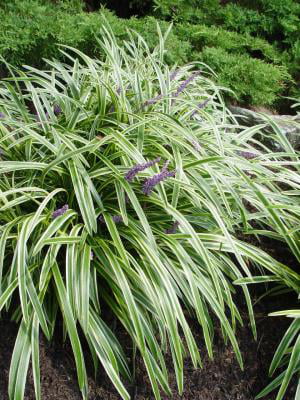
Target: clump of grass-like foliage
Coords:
[[126, 184]]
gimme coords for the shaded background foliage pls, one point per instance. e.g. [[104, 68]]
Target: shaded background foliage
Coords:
[[256, 41]]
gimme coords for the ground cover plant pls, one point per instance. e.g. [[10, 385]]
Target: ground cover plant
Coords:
[[31, 29], [126, 184]]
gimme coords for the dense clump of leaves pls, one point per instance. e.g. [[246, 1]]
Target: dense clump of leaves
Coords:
[[111, 200]]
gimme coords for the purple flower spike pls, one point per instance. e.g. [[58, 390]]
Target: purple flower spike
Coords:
[[60, 211], [57, 110], [199, 107], [2, 115], [138, 168], [152, 101], [173, 228], [247, 154], [154, 180], [186, 82], [116, 218], [92, 255]]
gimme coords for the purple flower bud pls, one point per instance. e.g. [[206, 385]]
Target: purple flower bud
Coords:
[[173, 228], [247, 154], [119, 89], [152, 101], [92, 255], [138, 168], [60, 211], [155, 179], [57, 110], [174, 74], [199, 107], [196, 145], [2, 115], [185, 83], [116, 218]]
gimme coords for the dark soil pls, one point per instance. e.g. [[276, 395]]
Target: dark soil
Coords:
[[220, 379]]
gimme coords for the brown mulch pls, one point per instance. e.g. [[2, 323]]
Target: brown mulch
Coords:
[[220, 379]]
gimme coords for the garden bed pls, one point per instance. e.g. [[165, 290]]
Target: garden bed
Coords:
[[131, 203], [220, 379]]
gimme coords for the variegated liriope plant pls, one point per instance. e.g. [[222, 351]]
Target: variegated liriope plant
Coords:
[[124, 185]]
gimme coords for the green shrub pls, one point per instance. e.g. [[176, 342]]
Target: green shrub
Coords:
[[79, 236], [273, 19], [24, 26], [32, 29], [190, 11], [243, 20], [254, 61], [277, 21], [201, 36], [257, 83]]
